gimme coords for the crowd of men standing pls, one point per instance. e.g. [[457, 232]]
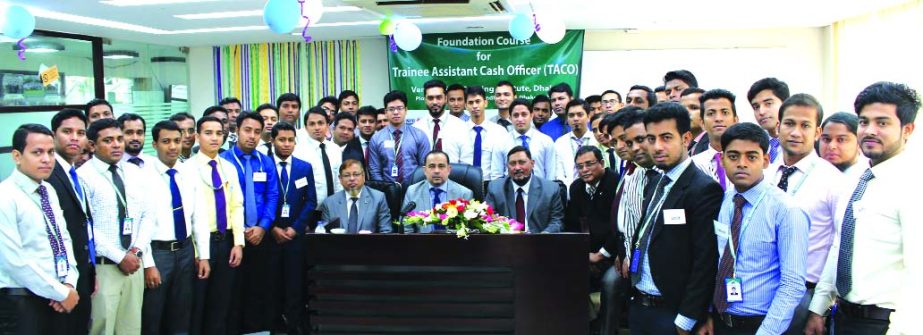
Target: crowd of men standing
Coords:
[[697, 223]]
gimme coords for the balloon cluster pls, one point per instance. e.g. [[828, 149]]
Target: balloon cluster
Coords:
[[18, 23], [403, 34], [549, 28], [281, 16]]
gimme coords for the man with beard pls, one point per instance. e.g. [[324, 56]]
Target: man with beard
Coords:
[[541, 111], [526, 198], [504, 94], [839, 144], [560, 95], [455, 94], [133, 127], [186, 123], [436, 189], [363, 209], [718, 114], [441, 128]]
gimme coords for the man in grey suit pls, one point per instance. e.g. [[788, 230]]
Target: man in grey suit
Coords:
[[436, 189], [521, 192], [358, 208]]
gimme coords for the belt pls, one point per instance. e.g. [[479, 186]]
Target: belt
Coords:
[[648, 300], [219, 236], [810, 285], [863, 311], [17, 291], [734, 321], [169, 245], [104, 260]]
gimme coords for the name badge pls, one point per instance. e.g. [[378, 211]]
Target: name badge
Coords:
[[635, 256], [60, 263], [721, 229], [674, 216], [389, 144], [259, 176], [734, 292], [394, 171], [285, 210], [126, 226], [301, 182]]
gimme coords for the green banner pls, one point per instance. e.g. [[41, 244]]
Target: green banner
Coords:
[[484, 59]]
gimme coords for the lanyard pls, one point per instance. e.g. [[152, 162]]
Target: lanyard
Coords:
[[655, 209], [255, 154], [806, 175], [57, 240], [118, 195], [285, 187], [743, 225]]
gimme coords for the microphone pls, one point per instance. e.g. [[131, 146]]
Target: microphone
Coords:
[[406, 209]]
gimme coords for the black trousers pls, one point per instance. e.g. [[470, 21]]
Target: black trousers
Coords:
[[167, 308], [213, 295], [846, 325], [30, 314], [644, 320], [290, 273], [722, 329], [613, 293], [78, 321], [252, 307]]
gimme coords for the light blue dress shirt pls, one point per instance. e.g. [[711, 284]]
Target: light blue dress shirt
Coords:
[[413, 147]]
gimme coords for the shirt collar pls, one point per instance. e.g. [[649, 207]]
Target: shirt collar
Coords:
[[754, 193], [441, 187], [391, 128], [63, 162], [24, 182], [161, 167], [890, 167], [678, 170], [280, 160], [525, 188], [805, 164], [103, 166], [586, 135]]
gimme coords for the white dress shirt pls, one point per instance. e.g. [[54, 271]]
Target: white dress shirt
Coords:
[[145, 159], [101, 192], [856, 170], [26, 258], [163, 206], [263, 148], [814, 186], [887, 258], [308, 150], [705, 161], [565, 148], [495, 144], [451, 131], [542, 149]]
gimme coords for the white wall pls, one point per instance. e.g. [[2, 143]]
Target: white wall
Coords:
[[201, 80]]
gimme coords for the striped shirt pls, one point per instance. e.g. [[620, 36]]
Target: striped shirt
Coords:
[[630, 205], [771, 254]]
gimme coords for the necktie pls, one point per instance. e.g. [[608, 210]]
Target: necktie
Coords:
[[76, 181], [477, 146], [437, 196], [268, 149], [366, 151], [328, 171], [525, 142], [520, 207], [726, 265], [91, 244], [773, 148], [719, 171], [786, 172], [630, 168], [54, 233], [611, 158], [590, 190], [352, 226], [847, 237], [398, 157], [651, 215], [250, 211], [179, 215], [136, 161], [437, 142], [284, 175], [579, 142], [120, 189], [221, 207]]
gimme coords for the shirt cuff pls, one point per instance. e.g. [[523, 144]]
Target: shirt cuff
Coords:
[[684, 322], [605, 253]]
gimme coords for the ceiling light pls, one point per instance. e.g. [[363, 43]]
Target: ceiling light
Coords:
[[168, 59], [40, 47], [218, 30], [120, 54], [256, 13], [47, 14], [125, 3]]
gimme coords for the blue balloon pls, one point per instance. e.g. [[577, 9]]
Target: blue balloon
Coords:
[[521, 27], [281, 15], [19, 22]]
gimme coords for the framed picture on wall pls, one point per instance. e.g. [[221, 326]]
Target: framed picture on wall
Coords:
[[24, 88]]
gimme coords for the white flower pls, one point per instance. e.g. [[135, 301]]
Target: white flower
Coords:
[[470, 215]]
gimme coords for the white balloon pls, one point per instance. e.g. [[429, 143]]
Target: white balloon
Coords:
[[407, 36], [314, 10], [551, 29]]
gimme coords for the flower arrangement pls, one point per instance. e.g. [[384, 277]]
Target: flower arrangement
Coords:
[[466, 217]]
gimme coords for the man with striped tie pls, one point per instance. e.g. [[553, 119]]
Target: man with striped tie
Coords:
[[565, 147]]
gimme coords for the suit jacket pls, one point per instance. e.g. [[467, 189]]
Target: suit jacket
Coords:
[[353, 150], [684, 257], [419, 193], [374, 214], [545, 206], [75, 214], [594, 215], [301, 200], [700, 146]]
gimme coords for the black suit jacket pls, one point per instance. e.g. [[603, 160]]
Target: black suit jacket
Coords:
[[584, 214], [700, 146], [684, 257], [76, 217], [353, 150]]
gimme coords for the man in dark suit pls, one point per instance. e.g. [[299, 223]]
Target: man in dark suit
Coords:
[[674, 253], [358, 207], [297, 201], [590, 206], [344, 135], [521, 192], [69, 127]]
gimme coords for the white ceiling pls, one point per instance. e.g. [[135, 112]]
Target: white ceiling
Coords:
[[157, 24]]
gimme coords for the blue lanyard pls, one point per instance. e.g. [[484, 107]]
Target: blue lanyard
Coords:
[[255, 154]]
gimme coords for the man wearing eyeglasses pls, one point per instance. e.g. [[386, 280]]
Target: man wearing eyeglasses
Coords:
[[397, 150], [363, 209], [611, 101]]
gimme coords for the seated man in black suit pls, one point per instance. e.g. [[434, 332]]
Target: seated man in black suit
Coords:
[[521, 192]]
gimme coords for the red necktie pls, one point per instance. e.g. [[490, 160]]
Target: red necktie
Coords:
[[520, 207], [437, 142], [726, 265]]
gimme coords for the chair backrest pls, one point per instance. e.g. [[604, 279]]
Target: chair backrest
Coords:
[[393, 195], [464, 174]]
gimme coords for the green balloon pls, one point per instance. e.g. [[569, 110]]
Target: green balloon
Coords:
[[386, 27]]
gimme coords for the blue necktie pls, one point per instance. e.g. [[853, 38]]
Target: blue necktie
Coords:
[[525, 142], [773, 148], [179, 216], [352, 224], [477, 146], [284, 178], [250, 195], [91, 244], [221, 205], [437, 199]]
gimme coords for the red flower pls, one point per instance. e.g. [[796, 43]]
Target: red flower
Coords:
[[490, 211]]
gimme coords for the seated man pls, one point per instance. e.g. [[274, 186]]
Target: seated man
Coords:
[[521, 192], [358, 208], [436, 189]]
